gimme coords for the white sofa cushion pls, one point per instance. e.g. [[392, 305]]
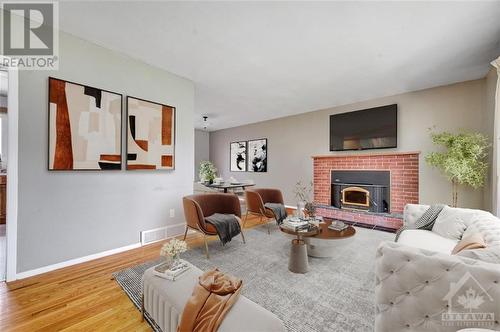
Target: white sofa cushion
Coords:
[[488, 226], [451, 223], [412, 212], [427, 240]]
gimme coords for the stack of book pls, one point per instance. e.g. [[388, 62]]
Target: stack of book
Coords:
[[295, 224], [338, 225], [171, 272]]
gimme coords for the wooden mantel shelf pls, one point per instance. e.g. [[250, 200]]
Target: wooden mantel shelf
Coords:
[[352, 154]]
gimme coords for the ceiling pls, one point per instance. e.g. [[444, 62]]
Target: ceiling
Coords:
[[253, 61]]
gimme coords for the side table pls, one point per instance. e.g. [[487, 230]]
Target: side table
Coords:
[[298, 250]]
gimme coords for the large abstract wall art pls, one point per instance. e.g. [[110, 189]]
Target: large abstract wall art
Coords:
[[150, 135], [84, 127], [257, 155], [238, 156]]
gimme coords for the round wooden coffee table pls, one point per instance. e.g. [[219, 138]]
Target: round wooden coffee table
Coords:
[[298, 250], [327, 241]]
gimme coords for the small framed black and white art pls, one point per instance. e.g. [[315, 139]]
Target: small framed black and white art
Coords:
[[238, 156], [257, 155]]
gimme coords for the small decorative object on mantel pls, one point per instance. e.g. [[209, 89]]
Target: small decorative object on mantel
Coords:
[[464, 162], [173, 266], [207, 172]]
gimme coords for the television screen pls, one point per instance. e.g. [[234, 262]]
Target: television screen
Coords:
[[373, 128]]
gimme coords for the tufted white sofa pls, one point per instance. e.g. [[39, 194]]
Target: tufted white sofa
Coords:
[[419, 281]]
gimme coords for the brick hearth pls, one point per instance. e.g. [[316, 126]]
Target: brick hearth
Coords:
[[404, 184]]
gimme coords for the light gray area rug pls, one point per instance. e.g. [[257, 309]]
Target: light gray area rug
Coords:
[[337, 294]]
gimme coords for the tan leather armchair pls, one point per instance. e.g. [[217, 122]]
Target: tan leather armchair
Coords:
[[255, 200], [198, 207]]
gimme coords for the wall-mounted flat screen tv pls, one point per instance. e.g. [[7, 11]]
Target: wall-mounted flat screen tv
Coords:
[[373, 128]]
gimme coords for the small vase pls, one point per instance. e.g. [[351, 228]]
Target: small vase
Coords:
[[300, 209], [175, 259]]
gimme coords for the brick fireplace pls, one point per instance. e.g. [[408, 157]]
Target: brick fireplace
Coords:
[[401, 169]]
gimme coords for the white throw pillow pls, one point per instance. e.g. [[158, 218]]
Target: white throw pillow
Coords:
[[451, 222]]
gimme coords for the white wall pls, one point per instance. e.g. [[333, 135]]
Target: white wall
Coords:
[[201, 149], [488, 121], [293, 140], [66, 215]]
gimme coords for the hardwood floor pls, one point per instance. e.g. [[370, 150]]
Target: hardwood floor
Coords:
[[82, 297]]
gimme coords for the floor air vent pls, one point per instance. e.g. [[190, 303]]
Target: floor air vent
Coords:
[[153, 235]]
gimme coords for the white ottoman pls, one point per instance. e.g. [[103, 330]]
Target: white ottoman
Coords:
[[164, 301]]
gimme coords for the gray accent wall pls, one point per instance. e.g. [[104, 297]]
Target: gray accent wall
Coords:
[[293, 140], [201, 149], [70, 214]]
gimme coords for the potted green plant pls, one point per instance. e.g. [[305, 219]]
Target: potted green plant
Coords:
[[463, 162], [207, 172]]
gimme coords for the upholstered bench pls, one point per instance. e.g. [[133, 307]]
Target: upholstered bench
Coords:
[[164, 301]]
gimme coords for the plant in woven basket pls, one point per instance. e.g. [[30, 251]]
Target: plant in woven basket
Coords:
[[464, 160]]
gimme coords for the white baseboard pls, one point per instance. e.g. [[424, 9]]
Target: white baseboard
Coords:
[[52, 267], [181, 226], [84, 259]]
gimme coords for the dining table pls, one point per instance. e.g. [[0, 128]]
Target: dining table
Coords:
[[226, 186]]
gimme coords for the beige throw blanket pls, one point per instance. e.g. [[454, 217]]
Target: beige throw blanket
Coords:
[[212, 297]]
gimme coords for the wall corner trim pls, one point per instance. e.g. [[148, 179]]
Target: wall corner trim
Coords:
[[60, 265]]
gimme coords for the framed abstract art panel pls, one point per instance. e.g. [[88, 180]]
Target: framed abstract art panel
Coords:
[[238, 156], [257, 155], [150, 135], [84, 127]]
